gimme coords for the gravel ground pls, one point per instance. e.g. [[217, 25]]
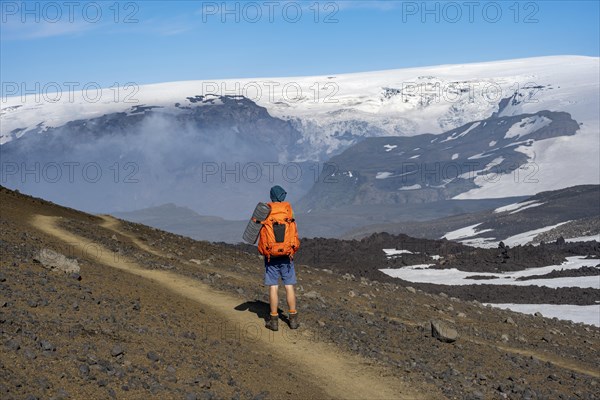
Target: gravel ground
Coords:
[[104, 333]]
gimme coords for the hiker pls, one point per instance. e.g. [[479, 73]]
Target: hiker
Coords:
[[278, 241]]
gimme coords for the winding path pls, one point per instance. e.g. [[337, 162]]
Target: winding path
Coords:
[[338, 374]]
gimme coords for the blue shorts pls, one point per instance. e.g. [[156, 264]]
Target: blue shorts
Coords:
[[279, 267]]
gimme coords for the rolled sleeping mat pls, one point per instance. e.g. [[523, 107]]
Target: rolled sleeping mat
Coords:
[[261, 212]]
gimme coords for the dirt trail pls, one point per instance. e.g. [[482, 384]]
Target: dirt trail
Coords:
[[339, 374], [110, 222]]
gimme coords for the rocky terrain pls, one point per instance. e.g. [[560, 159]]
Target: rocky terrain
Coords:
[[153, 314], [342, 256], [577, 208], [578, 228], [583, 271]]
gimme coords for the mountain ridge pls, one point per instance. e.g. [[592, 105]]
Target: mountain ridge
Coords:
[[181, 141], [425, 168]]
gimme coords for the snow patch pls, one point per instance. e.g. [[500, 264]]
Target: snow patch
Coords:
[[526, 237], [475, 125], [455, 136], [514, 206], [480, 155], [423, 274], [483, 242], [584, 239], [396, 252], [467, 231], [383, 175], [587, 314], [526, 126], [466, 236], [526, 207], [411, 187]]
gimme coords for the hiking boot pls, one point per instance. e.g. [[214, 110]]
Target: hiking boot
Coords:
[[273, 323], [294, 321]]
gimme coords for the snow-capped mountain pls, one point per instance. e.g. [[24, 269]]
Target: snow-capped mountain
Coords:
[[212, 157], [427, 168], [332, 111], [171, 130]]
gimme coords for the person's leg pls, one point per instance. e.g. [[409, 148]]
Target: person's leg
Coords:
[[290, 294], [274, 298], [272, 281], [288, 276], [291, 301], [273, 320], [289, 280]]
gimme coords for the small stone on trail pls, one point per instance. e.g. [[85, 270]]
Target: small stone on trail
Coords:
[[116, 351], [152, 356]]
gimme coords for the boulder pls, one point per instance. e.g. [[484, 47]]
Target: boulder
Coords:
[[443, 332], [55, 261]]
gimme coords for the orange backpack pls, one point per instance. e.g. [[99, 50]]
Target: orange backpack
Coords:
[[279, 236]]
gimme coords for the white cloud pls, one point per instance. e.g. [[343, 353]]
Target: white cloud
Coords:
[[17, 30]]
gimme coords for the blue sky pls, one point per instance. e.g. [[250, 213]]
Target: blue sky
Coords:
[[154, 41]]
